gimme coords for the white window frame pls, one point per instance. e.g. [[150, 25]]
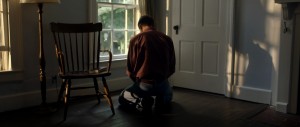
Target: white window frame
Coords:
[[93, 12], [5, 61], [13, 42]]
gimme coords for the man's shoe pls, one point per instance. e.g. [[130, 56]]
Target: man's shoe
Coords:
[[147, 103]]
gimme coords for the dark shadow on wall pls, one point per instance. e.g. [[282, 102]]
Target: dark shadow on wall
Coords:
[[260, 67]]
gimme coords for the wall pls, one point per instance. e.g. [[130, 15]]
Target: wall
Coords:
[[262, 53], [26, 92], [257, 39], [264, 47]]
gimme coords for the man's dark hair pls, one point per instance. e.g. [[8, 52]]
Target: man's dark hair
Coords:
[[146, 20]]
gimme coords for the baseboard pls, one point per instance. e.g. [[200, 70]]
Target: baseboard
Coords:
[[21, 100], [281, 107], [33, 98], [252, 94]]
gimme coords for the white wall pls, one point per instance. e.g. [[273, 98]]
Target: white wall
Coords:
[[262, 58], [257, 36], [263, 52], [24, 93]]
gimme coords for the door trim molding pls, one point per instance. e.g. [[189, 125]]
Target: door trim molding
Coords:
[[228, 91]]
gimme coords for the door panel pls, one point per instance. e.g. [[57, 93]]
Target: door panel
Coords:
[[210, 57], [186, 52], [200, 44], [211, 12]]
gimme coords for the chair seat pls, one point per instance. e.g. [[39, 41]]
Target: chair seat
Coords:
[[86, 74]]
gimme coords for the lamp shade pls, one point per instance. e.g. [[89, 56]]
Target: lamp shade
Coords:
[[39, 1]]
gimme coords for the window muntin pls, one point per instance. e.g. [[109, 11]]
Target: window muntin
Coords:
[[118, 18], [5, 55]]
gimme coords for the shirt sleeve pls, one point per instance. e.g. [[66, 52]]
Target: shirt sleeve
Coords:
[[129, 70], [172, 58]]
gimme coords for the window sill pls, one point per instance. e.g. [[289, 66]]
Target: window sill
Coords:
[[11, 76], [117, 63]]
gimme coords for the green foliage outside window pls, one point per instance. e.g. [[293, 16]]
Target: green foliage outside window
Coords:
[[118, 25]]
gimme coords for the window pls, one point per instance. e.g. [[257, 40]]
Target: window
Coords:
[[119, 18], [11, 46], [5, 61]]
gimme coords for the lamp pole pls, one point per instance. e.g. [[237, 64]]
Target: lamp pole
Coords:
[[45, 108], [41, 55]]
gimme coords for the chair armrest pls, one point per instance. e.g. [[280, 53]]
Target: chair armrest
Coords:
[[109, 59]]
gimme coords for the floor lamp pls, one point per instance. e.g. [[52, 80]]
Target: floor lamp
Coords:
[[41, 44]]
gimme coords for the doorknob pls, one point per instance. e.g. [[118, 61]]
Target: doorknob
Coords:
[[176, 27]]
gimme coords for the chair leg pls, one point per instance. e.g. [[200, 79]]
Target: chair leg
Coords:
[[61, 91], [97, 89], [107, 95], [67, 97]]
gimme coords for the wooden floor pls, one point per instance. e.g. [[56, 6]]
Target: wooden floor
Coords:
[[189, 109]]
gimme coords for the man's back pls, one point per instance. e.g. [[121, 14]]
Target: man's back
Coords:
[[152, 56]]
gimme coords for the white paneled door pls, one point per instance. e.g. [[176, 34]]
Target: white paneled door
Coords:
[[199, 35]]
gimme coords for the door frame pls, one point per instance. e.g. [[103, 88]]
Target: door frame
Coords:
[[294, 90], [229, 50]]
